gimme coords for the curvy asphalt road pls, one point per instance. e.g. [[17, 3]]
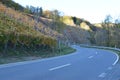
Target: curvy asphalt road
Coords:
[[84, 64]]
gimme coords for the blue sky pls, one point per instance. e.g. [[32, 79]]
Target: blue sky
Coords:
[[91, 10]]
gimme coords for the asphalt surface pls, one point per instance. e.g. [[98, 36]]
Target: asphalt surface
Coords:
[[114, 73], [84, 64]]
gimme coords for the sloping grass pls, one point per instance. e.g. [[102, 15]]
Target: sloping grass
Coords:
[[19, 40], [19, 55]]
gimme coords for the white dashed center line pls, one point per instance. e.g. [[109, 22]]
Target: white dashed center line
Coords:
[[58, 67], [102, 75], [90, 57]]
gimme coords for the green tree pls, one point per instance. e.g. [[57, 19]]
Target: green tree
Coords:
[[41, 11], [27, 10], [55, 15], [107, 25], [74, 20]]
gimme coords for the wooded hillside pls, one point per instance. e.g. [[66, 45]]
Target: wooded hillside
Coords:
[[35, 28]]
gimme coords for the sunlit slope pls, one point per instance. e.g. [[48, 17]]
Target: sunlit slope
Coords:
[[16, 29]]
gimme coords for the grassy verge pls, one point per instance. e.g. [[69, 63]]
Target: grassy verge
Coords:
[[25, 55]]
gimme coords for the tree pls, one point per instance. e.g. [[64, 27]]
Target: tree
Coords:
[[117, 22], [74, 19], [27, 10], [41, 11], [100, 39], [107, 22], [34, 10], [108, 19], [55, 15], [47, 14]]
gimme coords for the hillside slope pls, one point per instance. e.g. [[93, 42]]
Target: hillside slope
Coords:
[[12, 4], [22, 35], [50, 31]]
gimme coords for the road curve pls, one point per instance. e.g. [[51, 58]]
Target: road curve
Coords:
[[84, 64]]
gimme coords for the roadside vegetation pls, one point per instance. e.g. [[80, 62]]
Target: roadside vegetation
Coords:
[[19, 55], [109, 33], [22, 36]]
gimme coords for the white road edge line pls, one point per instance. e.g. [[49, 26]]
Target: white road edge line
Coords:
[[102, 75], [90, 57], [116, 59], [58, 67]]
